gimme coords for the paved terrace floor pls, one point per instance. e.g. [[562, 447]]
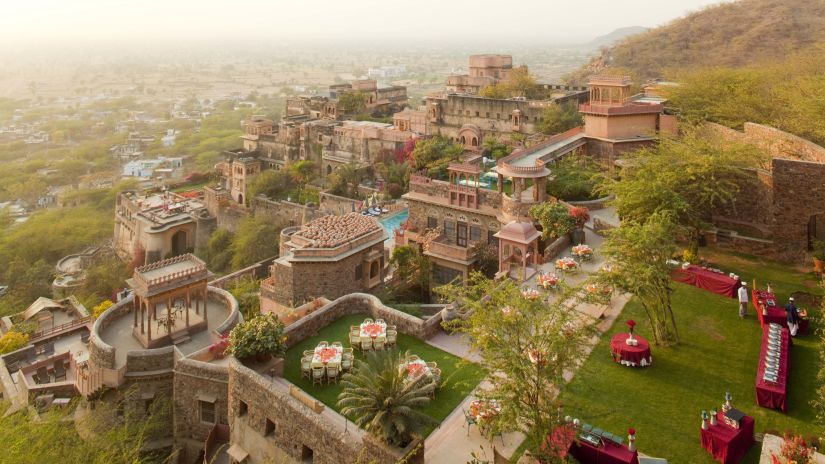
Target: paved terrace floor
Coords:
[[452, 442], [119, 333]]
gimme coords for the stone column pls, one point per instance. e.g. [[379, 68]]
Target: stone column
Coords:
[[142, 318], [205, 290], [135, 306], [186, 309], [500, 183], [149, 323], [168, 315]]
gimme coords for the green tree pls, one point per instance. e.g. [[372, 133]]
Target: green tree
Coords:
[[435, 153], [575, 178], [529, 343], [556, 118], [255, 241], [555, 219], [486, 258], [495, 149], [352, 102], [688, 178], [219, 251], [263, 334], [383, 402], [637, 254], [520, 83], [412, 269], [345, 179], [272, 184], [247, 292]]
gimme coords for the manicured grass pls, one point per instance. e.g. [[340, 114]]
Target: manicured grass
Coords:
[[459, 377], [718, 352]]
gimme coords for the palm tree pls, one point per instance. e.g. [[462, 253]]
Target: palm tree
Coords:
[[382, 401]]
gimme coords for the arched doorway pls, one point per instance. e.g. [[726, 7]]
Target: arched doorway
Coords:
[[329, 169], [240, 198], [374, 269], [179, 243], [816, 229]]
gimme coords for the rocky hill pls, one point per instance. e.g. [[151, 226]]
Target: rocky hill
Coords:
[[731, 34], [610, 39]]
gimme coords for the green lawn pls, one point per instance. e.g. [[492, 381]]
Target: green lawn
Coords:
[[718, 352], [459, 377]]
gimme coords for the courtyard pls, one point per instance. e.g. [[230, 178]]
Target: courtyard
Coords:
[[459, 377], [718, 352]]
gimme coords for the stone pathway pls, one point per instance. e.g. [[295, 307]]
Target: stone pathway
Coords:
[[451, 442]]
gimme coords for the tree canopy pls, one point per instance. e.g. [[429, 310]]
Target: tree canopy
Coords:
[[256, 240], [557, 118], [688, 178], [435, 153]]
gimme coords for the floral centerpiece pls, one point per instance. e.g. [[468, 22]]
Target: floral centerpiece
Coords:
[[566, 264], [596, 293], [220, 346], [580, 215], [531, 294], [583, 252], [259, 337], [630, 325], [794, 451], [548, 281], [327, 354]]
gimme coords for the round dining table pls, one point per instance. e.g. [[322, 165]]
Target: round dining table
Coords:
[[630, 355]]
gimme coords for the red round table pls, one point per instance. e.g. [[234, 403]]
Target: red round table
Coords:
[[628, 355]]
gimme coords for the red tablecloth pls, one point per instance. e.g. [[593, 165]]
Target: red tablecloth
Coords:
[[708, 280], [775, 313], [609, 453], [727, 444], [773, 395], [630, 355]]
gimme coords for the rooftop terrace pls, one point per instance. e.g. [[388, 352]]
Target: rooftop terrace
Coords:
[[333, 231]]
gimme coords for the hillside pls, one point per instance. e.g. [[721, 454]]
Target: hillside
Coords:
[[731, 34], [611, 38]]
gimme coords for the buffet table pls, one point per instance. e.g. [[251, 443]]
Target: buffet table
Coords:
[[608, 453], [706, 279], [629, 355], [769, 394], [726, 444], [775, 312]]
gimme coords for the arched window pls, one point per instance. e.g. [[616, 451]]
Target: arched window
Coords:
[[374, 269]]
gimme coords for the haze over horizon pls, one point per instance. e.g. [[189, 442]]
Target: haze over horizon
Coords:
[[43, 22]]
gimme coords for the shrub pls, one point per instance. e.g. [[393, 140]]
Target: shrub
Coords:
[[99, 309], [12, 341], [260, 335], [555, 219], [395, 190]]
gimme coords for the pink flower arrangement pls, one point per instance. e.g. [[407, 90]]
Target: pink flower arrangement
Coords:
[[631, 324], [566, 264], [530, 293], [547, 281], [582, 251]]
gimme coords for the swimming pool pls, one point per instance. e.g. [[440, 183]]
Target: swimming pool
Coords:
[[393, 222]]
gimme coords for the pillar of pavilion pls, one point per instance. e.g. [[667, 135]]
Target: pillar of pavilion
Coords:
[[170, 300], [518, 243]]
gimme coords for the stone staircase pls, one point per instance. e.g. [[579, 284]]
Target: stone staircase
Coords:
[[180, 337]]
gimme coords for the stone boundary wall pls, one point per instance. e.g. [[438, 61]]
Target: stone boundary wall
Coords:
[[356, 303], [101, 353], [150, 361], [335, 204], [235, 317], [592, 205], [297, 425], [284, 213], [259, 270], [552, 250], [196, 377], [600, 225]]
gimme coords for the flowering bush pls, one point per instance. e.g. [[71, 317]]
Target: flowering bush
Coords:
[[580, 215], [219, 347], [101, 308], [260, 335]]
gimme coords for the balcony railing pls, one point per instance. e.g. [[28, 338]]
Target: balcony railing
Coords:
[[447, 250]]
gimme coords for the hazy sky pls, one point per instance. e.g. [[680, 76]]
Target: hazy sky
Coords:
[[66, 20]]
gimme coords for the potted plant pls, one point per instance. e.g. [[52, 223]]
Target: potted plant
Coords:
[[580, 216], [819, 256], [219, 348], [259, 338]]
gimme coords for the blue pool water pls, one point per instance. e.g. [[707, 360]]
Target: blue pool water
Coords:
[[391, 223]]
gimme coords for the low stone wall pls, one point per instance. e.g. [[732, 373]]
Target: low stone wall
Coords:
[[592, 205], [149, 361], [255, 399], [235, 317], [554, 249], [361, 303], [102, 354], [600, 225], [258, 270]]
